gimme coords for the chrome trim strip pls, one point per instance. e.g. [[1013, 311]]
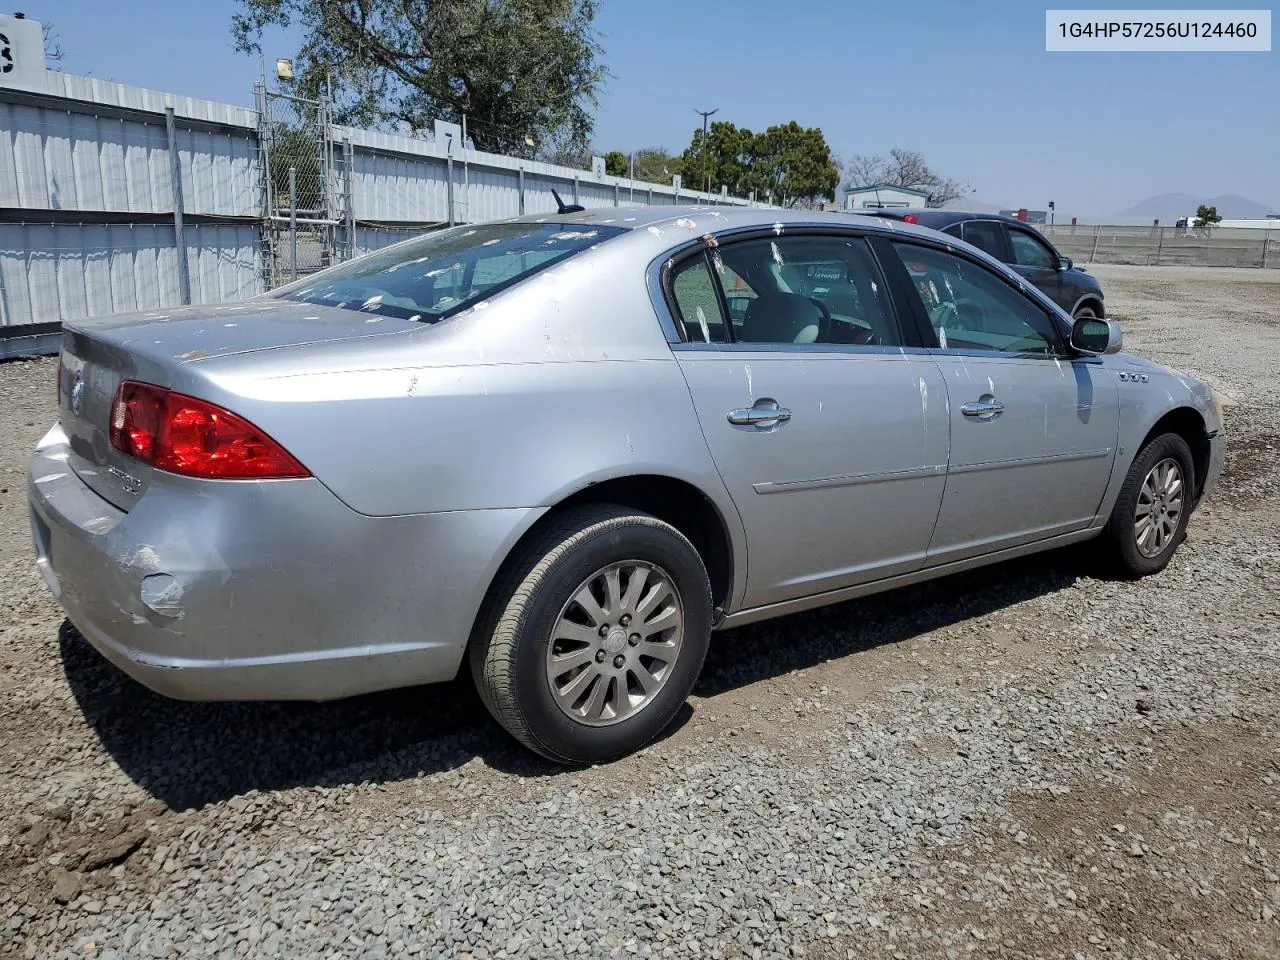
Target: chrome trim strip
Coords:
[[804, 349], [788, 486], [1031, 461]]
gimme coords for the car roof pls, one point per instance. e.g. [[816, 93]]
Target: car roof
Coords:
[[936, 217], [637, 217]]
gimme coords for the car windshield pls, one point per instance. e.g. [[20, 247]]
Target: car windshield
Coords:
[[439, 274]]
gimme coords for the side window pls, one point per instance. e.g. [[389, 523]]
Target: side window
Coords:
[[1030, 252], [987, 236], [954, 230], [805, 289], [696, 299], [970, 308]]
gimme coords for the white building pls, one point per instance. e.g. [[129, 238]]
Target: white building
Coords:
[[883, 196]]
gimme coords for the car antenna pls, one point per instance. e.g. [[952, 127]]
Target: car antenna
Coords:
[[566, 207]]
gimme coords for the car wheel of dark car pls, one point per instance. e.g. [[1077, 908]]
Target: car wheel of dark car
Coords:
[[595, 635], [1149, 520], [1086, 313]]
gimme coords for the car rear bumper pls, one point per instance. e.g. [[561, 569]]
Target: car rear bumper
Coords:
[[245, 590]]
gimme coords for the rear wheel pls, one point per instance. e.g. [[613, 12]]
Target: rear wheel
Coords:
[[1150, 517], [591, 644]]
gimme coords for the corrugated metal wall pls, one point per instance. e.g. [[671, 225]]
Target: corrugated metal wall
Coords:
[[87, 199]]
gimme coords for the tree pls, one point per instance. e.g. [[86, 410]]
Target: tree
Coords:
[[656, 165], [904, 168], [788, 164], [1207, 217], [519, 70], [724, 154], [791, 165], [616, 163]]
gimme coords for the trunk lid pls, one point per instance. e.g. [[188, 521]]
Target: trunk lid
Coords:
[[98, 354]]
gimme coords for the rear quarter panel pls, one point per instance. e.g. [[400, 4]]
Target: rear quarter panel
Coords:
[[551, 386]]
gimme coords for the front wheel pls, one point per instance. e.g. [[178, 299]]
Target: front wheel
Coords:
[[1149, 520], [593, 641]]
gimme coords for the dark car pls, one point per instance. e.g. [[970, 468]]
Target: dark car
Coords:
[[1022, 247]]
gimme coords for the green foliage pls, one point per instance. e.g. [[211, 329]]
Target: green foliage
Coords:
[[786, 164], [725, 155], [1207, 216], [295, 147], [518, 69], [656, 165], [616, 163]]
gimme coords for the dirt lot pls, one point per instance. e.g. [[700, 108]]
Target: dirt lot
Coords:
[[1023, 761]]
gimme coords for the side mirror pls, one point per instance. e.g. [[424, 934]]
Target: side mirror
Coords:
[[1064, 263], [1093, 336]]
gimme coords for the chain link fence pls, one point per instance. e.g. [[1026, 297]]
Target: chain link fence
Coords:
[[302, 203], [1168, 246]]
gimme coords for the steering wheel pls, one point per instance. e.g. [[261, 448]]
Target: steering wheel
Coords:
[[970, 311], [824, 321]]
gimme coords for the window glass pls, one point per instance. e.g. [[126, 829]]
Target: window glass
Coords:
[[696, 299], [444, 271], [1029, 252], [953, 229], [804, 289], [986, 236], [972, 309]]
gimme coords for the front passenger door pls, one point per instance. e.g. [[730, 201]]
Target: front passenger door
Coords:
[[1033, 258], [1033, 428]]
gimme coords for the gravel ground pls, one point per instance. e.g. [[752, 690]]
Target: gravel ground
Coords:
[[1022, 761]]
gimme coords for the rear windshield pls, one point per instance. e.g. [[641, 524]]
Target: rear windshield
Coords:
[[439, 274]]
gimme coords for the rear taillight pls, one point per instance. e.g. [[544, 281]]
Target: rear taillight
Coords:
[[195, 438], [911, 218]]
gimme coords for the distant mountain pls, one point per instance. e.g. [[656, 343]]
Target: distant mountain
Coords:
[[1167, 207]]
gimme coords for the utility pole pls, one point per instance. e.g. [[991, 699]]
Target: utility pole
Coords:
[[706, 114]]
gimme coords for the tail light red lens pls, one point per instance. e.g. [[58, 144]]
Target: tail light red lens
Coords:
[[911, 218], [195, 438]]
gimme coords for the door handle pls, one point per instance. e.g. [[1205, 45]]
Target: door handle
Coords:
[[984, 408], [764, 413]]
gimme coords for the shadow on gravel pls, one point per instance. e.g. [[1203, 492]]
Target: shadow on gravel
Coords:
[[191, 754]]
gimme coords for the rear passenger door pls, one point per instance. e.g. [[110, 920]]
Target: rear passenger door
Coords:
[[989, 237], [830, 436]]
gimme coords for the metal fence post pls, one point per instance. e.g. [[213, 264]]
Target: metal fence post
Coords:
[[1097, 232], [293, 223], [449, 193], [1266, 245], [575, 190], [349, 163], [617, 195], [175, 177], [520, 188], [1160, 244]]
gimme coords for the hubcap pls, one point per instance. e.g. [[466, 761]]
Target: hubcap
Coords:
[[615, 643], [1159, 508]]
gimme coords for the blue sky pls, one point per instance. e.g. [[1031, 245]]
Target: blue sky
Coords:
[[967, 84]]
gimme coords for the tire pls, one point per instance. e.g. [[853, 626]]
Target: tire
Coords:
[[1085, 311], [1123, 550], [534, 613]]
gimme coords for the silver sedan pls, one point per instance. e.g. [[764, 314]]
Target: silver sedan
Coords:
[[566, 449]]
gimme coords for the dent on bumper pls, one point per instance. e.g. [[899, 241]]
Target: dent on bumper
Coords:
[[237, 590]]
